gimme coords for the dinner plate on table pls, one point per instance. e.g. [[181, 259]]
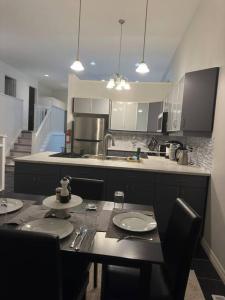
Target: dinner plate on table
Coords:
[[135, 222], [59, 227], [11, 206]]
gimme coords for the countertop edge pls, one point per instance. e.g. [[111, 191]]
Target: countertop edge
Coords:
[[204, 174]]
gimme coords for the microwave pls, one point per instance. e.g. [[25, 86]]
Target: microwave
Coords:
[[162, 122]]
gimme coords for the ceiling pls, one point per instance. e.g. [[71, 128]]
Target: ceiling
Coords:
[[40, 37]]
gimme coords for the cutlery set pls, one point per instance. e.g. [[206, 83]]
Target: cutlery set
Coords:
[[81, 232]]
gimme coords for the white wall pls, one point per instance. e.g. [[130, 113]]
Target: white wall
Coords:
[[139, 92], [44, 91], [61, 94], [203, 46], [22, 87], [49, 101]]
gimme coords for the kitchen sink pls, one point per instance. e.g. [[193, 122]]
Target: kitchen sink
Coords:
[[107, 157], [100, 157]]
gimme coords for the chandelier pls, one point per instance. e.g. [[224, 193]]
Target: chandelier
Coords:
[[118, 81]]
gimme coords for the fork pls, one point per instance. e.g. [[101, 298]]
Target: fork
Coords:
[[77, 233], [83, 234]]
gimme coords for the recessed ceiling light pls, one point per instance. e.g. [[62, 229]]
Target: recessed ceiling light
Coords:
[[103, 80], [93, 63], [136, 81], [46, 75]]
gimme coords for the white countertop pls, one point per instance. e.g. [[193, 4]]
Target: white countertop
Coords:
[[152, 164]]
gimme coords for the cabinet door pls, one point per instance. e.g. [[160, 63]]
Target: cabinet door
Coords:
[[174, 107], [100, 106], [179, 104], [116, 181], [142, 116], [117, 115], [154, 110], [130, 116], [200, 89], [141, 188], [169, 105], [36, 179], [82, 105], [195, 197]]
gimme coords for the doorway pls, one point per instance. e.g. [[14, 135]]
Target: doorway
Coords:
[[32, 92]]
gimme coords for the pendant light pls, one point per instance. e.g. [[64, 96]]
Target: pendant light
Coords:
[[118, 81], [143, 67], [77, 65]]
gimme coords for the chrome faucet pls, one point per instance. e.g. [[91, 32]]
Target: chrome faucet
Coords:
[[105, 144]]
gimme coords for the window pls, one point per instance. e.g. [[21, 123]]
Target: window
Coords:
[[10, 86]]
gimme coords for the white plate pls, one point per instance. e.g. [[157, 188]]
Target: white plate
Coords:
[[135, 221], [62, 228], [12, 205], [51, 202]]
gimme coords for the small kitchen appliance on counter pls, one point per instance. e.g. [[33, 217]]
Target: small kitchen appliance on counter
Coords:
[[171, 147]]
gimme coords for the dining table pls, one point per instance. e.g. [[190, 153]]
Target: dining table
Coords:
[[105, 243]]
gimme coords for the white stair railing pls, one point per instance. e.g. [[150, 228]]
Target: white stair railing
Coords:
[[40, 113], [11, 119], [52, 122]]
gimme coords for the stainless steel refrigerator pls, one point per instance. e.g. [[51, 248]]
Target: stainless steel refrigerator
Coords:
[[89, 131]]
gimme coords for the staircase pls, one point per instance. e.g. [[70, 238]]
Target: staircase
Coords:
[[21, 148]]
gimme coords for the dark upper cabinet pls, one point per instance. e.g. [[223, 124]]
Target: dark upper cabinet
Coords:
[[199, 97], [154, 110]]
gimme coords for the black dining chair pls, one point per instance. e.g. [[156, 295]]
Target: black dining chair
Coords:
[[169, 281], [32, 268], [89, 189]]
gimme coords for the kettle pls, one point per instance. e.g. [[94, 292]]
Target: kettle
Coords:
[[182, 156], [171, 147]]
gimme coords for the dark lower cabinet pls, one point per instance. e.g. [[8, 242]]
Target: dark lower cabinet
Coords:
[[137, 186], [192, 189], [150, 188], [36, 179]]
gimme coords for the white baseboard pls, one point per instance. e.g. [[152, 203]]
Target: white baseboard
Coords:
[[214, 260]]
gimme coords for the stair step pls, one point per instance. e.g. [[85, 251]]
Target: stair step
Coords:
[[26, 135], [9, 160], [20, 153], [9, 168], [24, 141], [22, 147]]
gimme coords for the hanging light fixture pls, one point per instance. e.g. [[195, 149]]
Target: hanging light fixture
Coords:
[[118, 81], [142, 68], [77, 65]]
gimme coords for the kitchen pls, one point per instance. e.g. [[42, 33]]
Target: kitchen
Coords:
[[192, 119]]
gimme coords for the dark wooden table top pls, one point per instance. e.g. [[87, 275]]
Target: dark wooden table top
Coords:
[[136, 253]]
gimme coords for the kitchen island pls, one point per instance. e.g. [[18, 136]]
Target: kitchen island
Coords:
[[154, 181]]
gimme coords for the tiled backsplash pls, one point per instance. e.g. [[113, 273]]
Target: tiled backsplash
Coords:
[[200, 156]]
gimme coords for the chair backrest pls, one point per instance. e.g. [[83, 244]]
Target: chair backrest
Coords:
[[29, 266], [180, 242], [90, 189]]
